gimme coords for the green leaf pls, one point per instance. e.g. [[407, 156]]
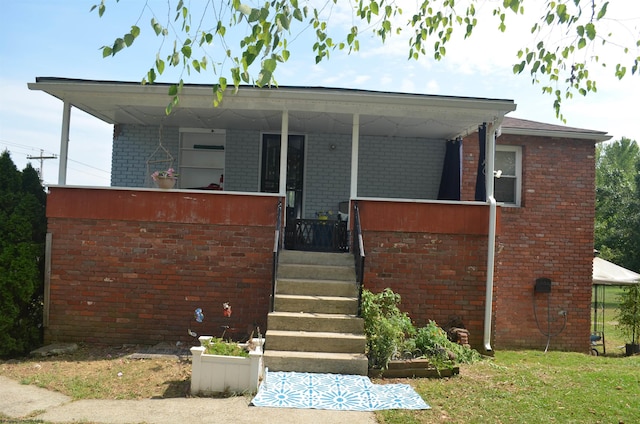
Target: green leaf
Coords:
[[157, 28], [264, 78], [151, 76], [186, 51], [160, 65], [118, 45], [128, 39], [254, 15], [582, 43], [602, 11], [135, 31], [591, 31], [107, 51]]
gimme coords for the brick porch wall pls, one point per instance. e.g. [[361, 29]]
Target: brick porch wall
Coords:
[[433, 255], [550, 235], [139, 280]]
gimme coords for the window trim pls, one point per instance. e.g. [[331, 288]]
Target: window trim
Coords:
[[518, 176]]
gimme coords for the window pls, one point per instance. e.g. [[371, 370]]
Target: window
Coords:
[[508, 186]]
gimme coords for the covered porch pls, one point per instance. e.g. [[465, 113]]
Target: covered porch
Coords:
[[332, 147]]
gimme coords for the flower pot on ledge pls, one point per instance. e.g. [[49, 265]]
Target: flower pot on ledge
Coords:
[[165, 182], [225, 374]]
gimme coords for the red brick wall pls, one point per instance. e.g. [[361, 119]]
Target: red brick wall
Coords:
[[550, 235], [139, 280], [436, 262]]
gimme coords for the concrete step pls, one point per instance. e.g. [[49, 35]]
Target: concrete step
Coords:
[[312, 287], [302, 321], [315, 258], [315, 341], [316, 304], [316, 271], [319, 362]]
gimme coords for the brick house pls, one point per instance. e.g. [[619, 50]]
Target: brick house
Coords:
[[129, 263]]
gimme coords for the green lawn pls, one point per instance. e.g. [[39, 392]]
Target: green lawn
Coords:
[[531, 387], [613, 339]]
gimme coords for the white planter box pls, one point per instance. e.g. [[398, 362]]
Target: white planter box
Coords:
[[228, 374]]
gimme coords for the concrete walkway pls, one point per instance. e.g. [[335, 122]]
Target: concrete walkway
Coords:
[[19, 401]]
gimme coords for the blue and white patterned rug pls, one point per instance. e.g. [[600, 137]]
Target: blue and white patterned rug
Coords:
[[334, 391]]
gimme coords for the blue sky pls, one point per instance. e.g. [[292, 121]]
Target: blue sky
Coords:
[[61, 38]]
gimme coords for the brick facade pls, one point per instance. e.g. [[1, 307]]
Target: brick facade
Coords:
[[123, 275], [139, 279], [550, 235]]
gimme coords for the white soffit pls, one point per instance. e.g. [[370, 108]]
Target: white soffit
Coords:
[[310, 109]]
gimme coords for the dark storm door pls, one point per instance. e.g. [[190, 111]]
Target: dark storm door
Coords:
[[270, 178]]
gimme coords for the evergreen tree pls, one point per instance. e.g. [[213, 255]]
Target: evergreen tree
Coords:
[[22, 236]]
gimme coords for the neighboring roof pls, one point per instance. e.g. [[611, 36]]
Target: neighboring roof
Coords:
[[519, 126], [608, 273], [310, 109]]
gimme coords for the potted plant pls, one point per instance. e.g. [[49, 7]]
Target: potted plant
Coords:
[[222, 366], [219, 366], [165, 179], [629, 318]]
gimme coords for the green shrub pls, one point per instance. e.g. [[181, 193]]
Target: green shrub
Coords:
[[391, 335], [385, 326], [433, 343]]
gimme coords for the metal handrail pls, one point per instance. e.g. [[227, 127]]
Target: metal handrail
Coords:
[[277, 244], [358, 253]]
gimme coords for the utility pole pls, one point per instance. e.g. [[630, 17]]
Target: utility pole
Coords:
[[42, 158]]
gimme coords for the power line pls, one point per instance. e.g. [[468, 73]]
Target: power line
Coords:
[[42, 159]]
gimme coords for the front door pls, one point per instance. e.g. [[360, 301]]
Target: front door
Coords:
[[270, 178]]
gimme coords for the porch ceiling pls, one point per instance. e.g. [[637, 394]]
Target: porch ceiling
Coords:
[[311, 110]]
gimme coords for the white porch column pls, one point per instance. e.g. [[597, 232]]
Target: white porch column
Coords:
[[284, 147], [64, 144], [355, 144]]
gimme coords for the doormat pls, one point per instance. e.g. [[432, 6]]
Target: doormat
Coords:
[[335, 392]]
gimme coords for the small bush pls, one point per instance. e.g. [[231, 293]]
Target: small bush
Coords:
[[218, 346], [391, 335]]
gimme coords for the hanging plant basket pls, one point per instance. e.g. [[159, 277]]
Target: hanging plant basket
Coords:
[[165, 182]]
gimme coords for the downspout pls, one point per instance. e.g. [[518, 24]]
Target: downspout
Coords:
[[64, 144], [490, 143]]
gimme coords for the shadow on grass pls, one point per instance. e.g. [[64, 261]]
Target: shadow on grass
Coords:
[[176, 389]]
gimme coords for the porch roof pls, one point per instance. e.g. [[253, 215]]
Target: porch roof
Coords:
[[311, 109]]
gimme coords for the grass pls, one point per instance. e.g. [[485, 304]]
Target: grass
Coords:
[[614, 341], [527, 387], [513, 387], [102, 372]]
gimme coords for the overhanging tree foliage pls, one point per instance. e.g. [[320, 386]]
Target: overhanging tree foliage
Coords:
[[242, 43], [22, 235], [617, 226]]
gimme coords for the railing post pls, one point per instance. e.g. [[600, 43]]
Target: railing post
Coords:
[[358, 253], [276, 251]]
